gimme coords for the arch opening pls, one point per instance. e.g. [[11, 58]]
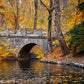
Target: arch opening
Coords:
[[25, 51]]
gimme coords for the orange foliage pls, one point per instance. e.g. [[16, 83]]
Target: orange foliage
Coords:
[[10, 22], [77, 0], [2, 7], [68, 58], [20, 20], [78, 16], [2, 1]]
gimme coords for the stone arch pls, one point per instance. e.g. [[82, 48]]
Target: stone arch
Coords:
[[24, 51]]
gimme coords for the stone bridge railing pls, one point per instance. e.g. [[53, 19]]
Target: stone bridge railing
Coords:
[[7, 32]]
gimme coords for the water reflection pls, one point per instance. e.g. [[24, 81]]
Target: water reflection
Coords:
[[40, 73], [34, 65], [8, 68]]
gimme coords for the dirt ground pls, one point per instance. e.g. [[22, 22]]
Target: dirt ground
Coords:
[[55, 55]]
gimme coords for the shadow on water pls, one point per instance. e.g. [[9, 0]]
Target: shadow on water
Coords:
[[27, 63]]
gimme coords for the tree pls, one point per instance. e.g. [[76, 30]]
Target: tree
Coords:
[[2, 16], [77, 34], [77, 38], [72, 15], [36, 13], [2, 19], [81, 6], [50, 10], [14, 5], [59, 34]]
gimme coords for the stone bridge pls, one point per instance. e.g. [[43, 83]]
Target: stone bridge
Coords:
[[24, 40]]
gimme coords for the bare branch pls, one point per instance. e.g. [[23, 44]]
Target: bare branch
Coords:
[[12, 4], [44, 5], [51, 9]]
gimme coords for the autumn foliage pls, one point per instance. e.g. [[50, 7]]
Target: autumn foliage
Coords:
[[24, 12]]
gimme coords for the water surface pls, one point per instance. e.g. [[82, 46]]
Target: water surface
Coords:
[[35, 72]]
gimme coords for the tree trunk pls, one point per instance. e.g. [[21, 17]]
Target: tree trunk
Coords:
[[17, 14], [16, 23], [36, 13], [49, 38], [2, 21], [59, 33], [49, 27], [49, 32]]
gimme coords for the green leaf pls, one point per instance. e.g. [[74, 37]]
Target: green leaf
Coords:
[[5, 11]]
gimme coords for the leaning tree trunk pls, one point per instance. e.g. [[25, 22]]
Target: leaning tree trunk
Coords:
[[36, 13], [59, 33]]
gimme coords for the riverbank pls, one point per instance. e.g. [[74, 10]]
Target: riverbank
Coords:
[[8, 58], [55, 58]]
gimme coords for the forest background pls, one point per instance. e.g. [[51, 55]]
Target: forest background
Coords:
[[32, 15]]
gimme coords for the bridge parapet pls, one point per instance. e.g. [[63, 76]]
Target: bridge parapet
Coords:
[[7, 32]]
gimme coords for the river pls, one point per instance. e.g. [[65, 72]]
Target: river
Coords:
[[35, 72]]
